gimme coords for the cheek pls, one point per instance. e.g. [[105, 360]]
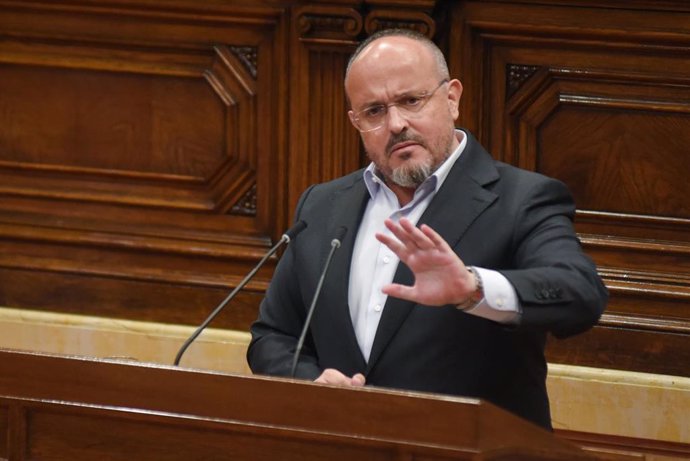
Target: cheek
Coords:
[[375, 146]]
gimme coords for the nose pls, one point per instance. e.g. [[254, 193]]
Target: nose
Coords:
[[396, 120]]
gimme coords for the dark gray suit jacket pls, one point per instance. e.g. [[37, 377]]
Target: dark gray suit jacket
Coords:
[[494, 216]]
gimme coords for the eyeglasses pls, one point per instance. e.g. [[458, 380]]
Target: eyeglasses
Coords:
[[374, 117]]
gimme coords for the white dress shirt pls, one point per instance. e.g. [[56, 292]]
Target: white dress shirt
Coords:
[[374, 264]]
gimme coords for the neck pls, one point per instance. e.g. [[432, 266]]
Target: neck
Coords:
[[404, 194]]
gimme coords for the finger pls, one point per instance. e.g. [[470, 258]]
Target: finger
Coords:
[[358, 380], [399, 291], [394, 244], [420, 239], [435, 238], [397, 231], [408, 234], [332, 376]]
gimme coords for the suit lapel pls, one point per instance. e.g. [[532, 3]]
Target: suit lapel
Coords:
[[459, 201]]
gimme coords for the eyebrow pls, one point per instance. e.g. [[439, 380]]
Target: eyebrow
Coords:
[[395, 98]]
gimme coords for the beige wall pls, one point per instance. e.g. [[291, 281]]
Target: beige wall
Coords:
[[215, 349], [583, 399]]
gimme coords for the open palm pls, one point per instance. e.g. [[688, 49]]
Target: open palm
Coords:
[[440, 276]]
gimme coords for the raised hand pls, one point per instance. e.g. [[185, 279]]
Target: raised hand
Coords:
[[440, 276]]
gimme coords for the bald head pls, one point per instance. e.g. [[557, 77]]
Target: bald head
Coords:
[[374, 41]]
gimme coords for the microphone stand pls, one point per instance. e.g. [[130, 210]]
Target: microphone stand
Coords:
[[299, 227], [335, 244]]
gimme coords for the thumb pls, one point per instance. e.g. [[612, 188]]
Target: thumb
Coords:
[[399, 291], [358, 380]]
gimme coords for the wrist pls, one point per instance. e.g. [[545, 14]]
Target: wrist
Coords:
[[476, 297]]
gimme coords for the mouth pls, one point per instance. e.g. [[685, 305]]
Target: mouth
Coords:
[[401, 145]]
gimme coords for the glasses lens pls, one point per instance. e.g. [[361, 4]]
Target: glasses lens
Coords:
[[374, 117]]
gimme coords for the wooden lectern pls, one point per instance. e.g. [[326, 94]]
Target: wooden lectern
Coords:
[[69, 408]]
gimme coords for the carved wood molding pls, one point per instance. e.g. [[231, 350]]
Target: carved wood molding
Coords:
[[248, 56], [233, 79], [380, 19], [578, 31], [246, 206], [322, 22], [516, 76], [183, 11]]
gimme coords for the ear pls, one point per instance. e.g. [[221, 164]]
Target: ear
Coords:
[[454, 95], [351, 114]]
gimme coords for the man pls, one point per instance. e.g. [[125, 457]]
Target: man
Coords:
[[454, 266]]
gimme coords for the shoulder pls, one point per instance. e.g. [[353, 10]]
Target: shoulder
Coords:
[[326, 189], [338, 184], [516, 188], [322, 194], [530, 183]]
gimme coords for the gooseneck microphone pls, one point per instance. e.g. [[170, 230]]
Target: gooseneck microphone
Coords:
[[286, 238], [335, 244]]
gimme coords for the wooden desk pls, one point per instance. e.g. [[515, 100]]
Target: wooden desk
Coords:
[[57, 407]]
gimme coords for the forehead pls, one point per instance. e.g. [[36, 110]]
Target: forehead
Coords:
[[389, 67]]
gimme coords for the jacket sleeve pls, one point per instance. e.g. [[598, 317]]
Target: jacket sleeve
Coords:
[[556, 282], [281, 317]]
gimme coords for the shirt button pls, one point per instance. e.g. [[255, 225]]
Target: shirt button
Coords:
[[377, 308], [386, 259], [500, 302]]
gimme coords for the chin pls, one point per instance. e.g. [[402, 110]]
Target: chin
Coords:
[[412, 174]]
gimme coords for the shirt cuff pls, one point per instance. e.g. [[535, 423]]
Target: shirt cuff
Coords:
[[500, 302]]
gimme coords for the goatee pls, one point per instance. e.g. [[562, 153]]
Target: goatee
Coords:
[[412, 176]]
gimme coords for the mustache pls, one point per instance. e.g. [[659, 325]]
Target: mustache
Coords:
[[402, 137]]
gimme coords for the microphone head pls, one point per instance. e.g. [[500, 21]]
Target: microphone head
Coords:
[[294, 230], [339, 235]]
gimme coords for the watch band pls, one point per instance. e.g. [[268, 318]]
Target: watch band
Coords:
[[476, 296]]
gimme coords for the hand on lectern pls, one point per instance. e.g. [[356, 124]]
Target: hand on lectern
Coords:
[[333, 376]]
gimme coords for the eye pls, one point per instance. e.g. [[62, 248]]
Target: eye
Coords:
[[374, 111], [412, 101]]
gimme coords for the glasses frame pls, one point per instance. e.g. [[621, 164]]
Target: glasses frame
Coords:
[[425, 98]]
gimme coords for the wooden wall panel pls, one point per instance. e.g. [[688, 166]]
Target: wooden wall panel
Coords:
[[140, 154], [597, 94], [323, 145], [150, 152]]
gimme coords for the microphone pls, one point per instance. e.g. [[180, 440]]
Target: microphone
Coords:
[[335, 244], [285, 239]]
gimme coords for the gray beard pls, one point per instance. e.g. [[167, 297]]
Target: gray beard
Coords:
[[412, 177]]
